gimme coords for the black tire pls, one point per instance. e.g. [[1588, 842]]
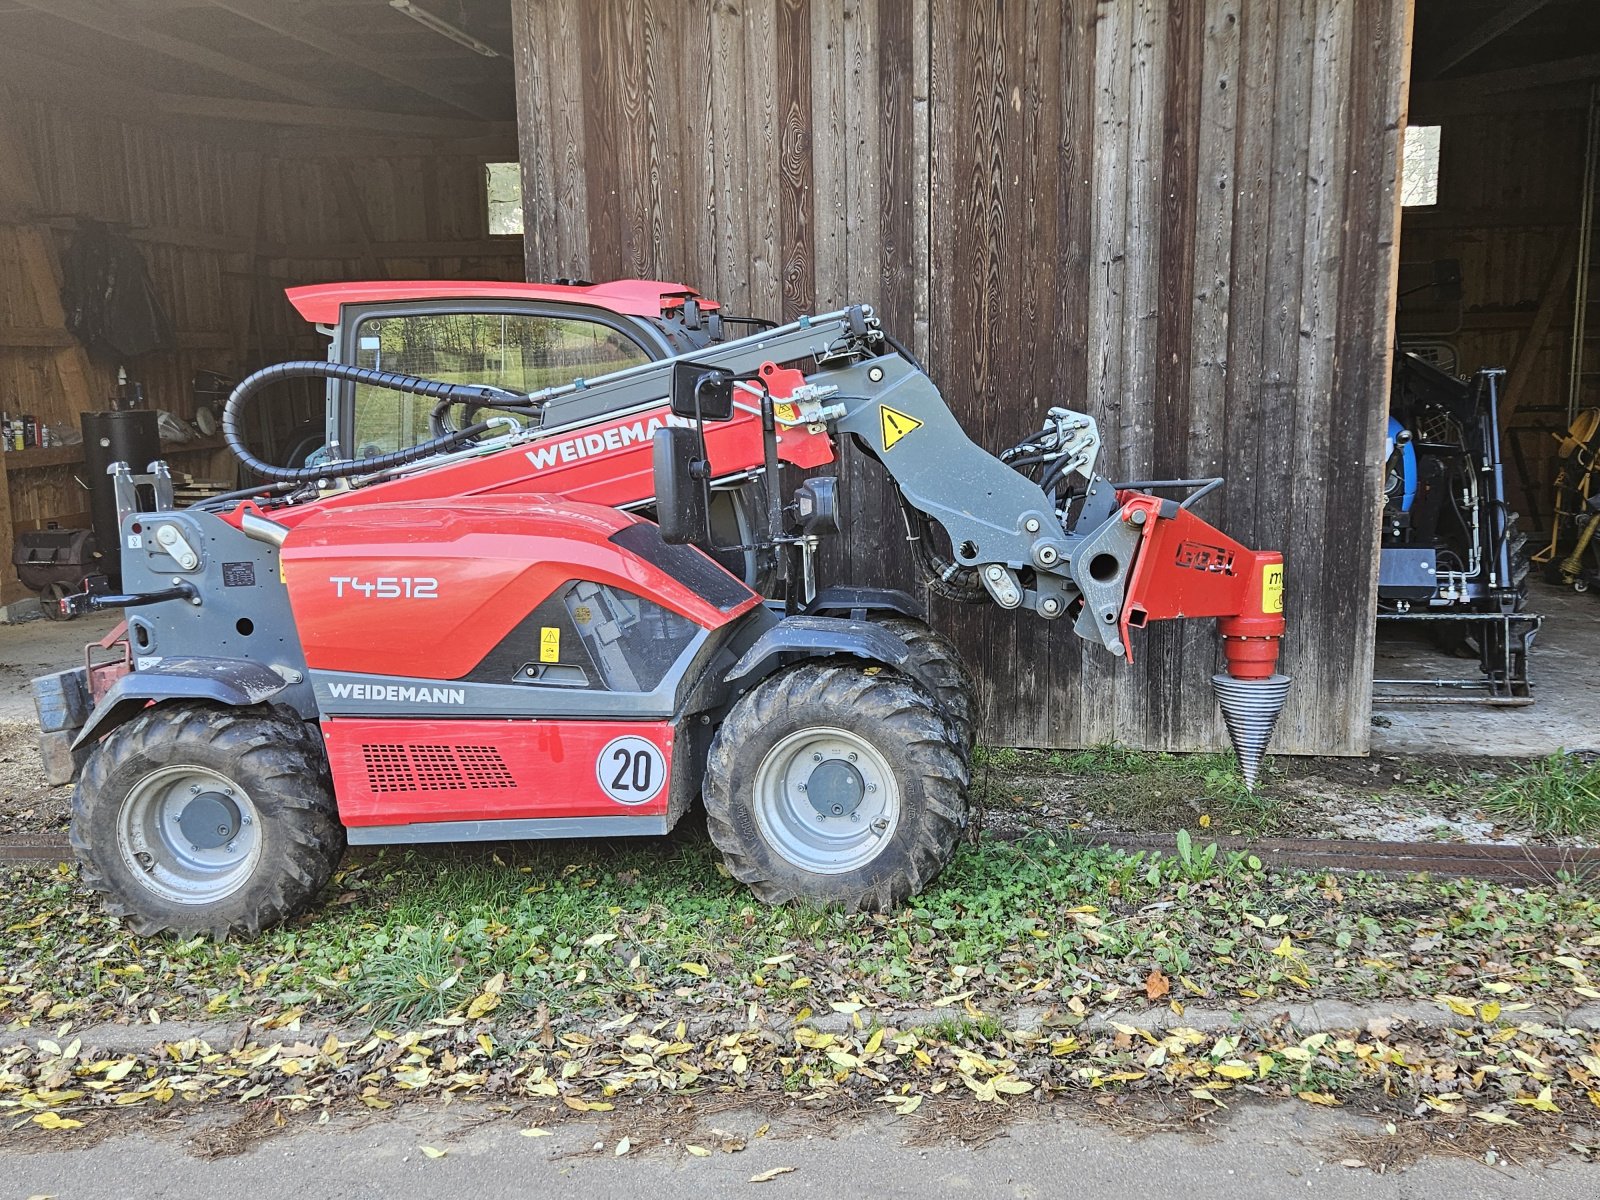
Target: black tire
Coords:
[[275, 760], [50, 598], [938, 666], [902, 726]]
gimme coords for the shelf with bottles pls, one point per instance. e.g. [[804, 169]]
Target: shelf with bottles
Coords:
[[38, 457]]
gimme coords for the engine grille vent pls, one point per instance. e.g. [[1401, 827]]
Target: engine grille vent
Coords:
[[412, 768]]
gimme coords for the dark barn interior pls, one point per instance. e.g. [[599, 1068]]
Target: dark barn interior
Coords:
[[243, 147], [1494, 272], [1178, 216], [1511, 88]]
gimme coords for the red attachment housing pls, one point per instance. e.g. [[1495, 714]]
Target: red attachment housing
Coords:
[[1188, 568]]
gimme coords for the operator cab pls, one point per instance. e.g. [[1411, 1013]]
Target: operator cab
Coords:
[[520, 337]]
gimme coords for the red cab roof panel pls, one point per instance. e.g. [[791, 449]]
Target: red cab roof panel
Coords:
[[319, 303]]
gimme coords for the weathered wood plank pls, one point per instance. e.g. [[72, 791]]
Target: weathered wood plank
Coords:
[[1100, 678], [1380, 40], [796, 225], [761, 155], [1311, 482], [1172, 702], [830, 267], [1215, 157]]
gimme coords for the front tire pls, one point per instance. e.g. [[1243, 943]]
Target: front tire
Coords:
[[829, 784], [193, 818], [937, 663]]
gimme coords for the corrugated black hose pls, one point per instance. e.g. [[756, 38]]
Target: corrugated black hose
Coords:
[[478, 394]]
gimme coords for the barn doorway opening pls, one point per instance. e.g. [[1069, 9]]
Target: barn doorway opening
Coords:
[[1496, 359]]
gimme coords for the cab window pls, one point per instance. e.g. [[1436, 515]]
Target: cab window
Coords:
[[522, 352]]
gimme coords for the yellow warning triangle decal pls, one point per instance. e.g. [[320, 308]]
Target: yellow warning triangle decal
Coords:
[[896, 425]]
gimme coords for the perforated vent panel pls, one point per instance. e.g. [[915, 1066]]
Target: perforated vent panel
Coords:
[[434, 768]]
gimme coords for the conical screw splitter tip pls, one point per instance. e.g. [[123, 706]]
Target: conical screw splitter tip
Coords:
[[1250, 709]]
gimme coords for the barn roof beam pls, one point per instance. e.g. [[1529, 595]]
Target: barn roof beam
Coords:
[[1472, 40], [1474, 92], [336, 116], [98, 19], [70, 81], [271, 14]]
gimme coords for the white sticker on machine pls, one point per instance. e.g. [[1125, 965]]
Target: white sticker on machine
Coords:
[[631, 770]]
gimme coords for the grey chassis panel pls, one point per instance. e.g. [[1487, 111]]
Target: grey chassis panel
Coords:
[[839, 598], [820, 636], [517, 830], [244, 611], [228, 681], [385, 695]]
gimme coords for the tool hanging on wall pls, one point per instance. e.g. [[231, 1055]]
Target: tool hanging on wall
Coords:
[[1576, 564]]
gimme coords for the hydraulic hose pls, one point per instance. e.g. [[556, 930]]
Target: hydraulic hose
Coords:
[[439, 427], [260, 491], [900, 348], [389, 381], [945, 576]]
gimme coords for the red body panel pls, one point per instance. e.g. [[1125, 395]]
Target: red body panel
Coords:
[[320, 302], [485, 770], [605, 463], [425, 590]]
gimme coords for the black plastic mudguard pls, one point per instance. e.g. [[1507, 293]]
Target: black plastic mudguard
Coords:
[[234, 682], [817, 637]]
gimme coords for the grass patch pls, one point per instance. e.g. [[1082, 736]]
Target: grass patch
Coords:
[[587, 976], [1557, 795], [585, 932], [1146, 790]]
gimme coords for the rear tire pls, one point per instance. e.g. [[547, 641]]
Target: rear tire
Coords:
[[887, 798], [193, 818], [939, 667]]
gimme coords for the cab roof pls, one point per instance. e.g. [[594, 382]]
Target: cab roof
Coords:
[[319, 303]]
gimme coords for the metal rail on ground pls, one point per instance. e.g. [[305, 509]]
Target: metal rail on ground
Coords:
[[1479, 860]]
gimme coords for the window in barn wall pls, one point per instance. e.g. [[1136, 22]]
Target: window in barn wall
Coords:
[[1419, 167], [504, 189]]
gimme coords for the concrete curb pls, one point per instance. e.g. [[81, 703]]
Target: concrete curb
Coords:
[[1314, 1017]]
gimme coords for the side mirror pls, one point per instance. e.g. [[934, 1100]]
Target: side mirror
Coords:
[[701, 392], [680, 479]]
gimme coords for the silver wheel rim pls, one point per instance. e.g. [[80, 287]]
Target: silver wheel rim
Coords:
[[826, 800], [189, 834]]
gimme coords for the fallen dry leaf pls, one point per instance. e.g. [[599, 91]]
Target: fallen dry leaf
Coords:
[[1156, 985], [769, 1176]]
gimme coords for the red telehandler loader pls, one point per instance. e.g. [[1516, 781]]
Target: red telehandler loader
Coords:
[[460, 625]]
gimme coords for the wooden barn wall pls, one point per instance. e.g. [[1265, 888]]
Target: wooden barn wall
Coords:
[[1510, 189], [1176, 215], [224, 226]]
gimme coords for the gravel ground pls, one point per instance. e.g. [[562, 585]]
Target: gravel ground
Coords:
[[27, 803]]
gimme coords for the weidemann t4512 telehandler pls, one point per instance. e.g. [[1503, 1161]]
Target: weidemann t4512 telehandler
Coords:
[[477, 636]]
